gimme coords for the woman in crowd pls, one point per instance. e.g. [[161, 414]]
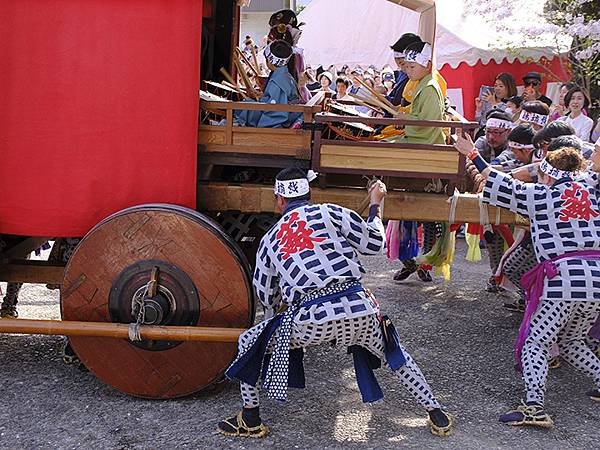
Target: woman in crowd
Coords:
[[504, 87], [326, 80], [560, 109], [577, 100]]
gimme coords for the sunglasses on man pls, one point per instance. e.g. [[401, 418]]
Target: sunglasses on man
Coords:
[[533, 83]]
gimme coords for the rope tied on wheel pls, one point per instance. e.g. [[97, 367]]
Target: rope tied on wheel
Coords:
[[138, 303]]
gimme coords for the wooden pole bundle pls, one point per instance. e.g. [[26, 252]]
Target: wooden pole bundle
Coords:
[[245, 60], [119, 330], [375, 102], [255, 59], [232, 83], [363, 101], [379, 96], [247, 83]]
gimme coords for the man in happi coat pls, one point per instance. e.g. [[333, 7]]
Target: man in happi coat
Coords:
[[308, 278], [563, 290]]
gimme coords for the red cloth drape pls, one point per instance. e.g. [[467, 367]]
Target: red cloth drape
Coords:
[[99, 110]]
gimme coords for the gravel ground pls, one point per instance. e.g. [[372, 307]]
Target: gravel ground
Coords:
[[459, 334]]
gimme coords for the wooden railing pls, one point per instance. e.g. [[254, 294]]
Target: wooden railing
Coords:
[[250, 146]]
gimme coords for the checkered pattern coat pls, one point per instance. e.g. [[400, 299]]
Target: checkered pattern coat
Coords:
[[286, 272], [507, 160], [557, 228]]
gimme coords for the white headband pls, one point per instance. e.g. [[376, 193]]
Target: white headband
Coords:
[[422, 57], [275, 60], [514, 144], [553, 172], [499, 123], [294, 188], [531, 117], [399, 54]]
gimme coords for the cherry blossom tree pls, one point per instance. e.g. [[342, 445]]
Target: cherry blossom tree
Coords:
[[555, 21]]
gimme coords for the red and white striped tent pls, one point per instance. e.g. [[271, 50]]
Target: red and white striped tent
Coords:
[[469, 53]]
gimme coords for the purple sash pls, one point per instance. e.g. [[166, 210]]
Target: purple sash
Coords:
[[533, 285]]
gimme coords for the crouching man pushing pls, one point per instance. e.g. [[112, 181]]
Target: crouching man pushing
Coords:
[[308, 264]]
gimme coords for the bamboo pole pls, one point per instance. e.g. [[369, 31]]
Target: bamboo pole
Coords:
[[249, 89], [362, 101], [255, 58], [231, 82], [377, 102], [245, 60], [232, 86], [376, 94], [119, 330]]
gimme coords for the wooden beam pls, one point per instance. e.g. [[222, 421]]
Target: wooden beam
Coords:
[[397, 122], [398, 205], [257, 106], [236, 159], [23, 248], [119, 330], [31, 272]]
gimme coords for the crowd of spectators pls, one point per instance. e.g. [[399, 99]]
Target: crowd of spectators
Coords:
[[572, 106]]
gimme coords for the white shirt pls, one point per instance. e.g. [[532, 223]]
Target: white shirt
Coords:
[[583, 126]]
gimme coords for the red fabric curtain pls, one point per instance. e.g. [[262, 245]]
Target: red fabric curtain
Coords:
[[99, 110]]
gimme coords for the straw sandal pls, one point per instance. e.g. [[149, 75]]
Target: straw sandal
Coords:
[[554, 363], [532, 415], [594, 395], [441, 417], [8, 312], [236, 426]]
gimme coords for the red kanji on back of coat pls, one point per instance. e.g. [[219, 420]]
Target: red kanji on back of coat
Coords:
[[577, 204], [294, 236]]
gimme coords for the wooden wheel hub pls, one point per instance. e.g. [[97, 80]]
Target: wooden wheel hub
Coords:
[[202, 280], [175, 302]]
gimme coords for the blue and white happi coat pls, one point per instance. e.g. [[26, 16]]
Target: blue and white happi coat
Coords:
[[308, 262], [565, 218], [286, 273]]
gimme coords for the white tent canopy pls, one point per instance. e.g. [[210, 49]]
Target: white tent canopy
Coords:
[[361, 31]]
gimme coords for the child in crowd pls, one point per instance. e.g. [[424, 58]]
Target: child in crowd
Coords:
[[428, 100]]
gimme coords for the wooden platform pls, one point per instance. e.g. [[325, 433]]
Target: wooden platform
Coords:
[[398, 205]]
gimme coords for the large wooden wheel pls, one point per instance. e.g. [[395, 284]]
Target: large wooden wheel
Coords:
[[202, 280]]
